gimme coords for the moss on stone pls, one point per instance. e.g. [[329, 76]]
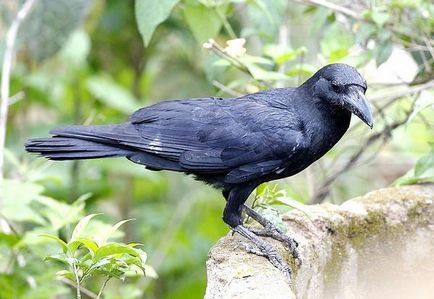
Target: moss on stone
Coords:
[[332, 269], [357, 231], [293, 265], [354, 231]]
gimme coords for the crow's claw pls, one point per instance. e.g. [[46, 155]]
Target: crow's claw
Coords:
[[265, 249], [270, 230]]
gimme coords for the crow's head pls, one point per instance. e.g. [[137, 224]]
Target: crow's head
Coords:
[[342, 85]]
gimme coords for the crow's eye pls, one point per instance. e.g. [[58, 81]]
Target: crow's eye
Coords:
[[337, 87]]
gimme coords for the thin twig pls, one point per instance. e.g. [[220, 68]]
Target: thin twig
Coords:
[[408, 91], [85, 291], [77, 280], [219, 50], [6, 74], [356, 16], [102, 288], [16, 97], [225, 23], [226, 89], [335, 7]]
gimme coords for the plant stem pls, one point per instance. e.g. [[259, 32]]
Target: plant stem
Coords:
[[77, 280], [102, 288], [85, 291], [225, 23], [6, 74]]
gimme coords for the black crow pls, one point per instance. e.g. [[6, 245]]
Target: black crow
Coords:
[[232, 144]]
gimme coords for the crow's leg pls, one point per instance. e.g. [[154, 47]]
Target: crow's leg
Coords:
[[263, 248], [235, 198], [270, 230]]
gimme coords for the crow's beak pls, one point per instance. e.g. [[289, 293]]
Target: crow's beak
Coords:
[[357, 103]]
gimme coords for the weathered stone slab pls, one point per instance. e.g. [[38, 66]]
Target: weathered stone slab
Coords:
[[380, 245]]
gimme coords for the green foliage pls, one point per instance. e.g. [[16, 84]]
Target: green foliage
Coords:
[[336, 42], [203, 21], [281, 54], [151, 13], [86, 258], [112, 95], [422, 172], [51, 21], [272, 200]]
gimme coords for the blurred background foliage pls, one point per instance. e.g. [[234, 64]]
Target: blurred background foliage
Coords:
[[81, 61]]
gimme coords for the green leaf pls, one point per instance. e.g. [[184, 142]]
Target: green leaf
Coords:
[[360, 59], [58, 240], [294, 204], [261, 74], [113, 249], [261, 189], [67, 274], [204, 22], [265, 17], [336, 42], [60, 214], [9, 239], [99, 265], [102, 238], [383, 52], [61, 257], [319, 19], [423, 171], [301, 69], [262, 6], [80, 226], [379, 16], [150, 272], [425, 100], [17, 199], [143, 255], [151, 13], [112, 94], [76, 49], [282, 54], [424, 167], [365, 32], [88, 244]]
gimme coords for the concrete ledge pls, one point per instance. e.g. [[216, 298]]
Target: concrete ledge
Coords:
[[380, 245]]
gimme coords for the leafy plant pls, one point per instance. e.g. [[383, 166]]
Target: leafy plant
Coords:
[[87, 257], [422, 172], [269, 199]]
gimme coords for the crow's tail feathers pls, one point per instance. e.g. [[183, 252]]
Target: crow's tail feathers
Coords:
[[78, 142]]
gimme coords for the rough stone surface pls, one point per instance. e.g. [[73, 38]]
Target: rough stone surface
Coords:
[[380, 245]]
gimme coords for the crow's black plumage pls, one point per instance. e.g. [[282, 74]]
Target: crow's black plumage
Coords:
[[232, 144]]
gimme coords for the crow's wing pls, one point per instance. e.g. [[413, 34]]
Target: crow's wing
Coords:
[[241, 138]]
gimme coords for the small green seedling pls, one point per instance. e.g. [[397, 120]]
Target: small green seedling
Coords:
[[86, 257]]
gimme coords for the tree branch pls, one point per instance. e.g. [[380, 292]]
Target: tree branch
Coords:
[[411, 90], [335, 7], [6, 74], [356, 16]]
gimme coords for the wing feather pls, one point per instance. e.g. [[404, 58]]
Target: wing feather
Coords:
[[241, 139]]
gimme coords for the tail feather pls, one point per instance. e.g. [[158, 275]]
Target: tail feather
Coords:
[[77, 142], [65, 148], [91, 142]]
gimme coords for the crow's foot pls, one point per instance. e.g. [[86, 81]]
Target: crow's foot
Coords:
[[265, 249], [270, 230]]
